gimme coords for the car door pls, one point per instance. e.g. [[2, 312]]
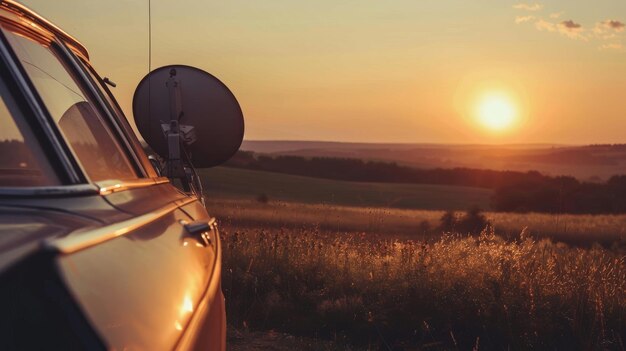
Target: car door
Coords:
[[141, 289], [147, 279]]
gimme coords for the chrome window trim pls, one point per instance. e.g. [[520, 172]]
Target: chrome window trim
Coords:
[[25, 12], [110, 186], [87, 237], [49, 191], [104, 187]]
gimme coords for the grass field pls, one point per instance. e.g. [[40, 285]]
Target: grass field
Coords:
[[334, 276], [232, 182], [414, 224], [378, 208], [328, 273]]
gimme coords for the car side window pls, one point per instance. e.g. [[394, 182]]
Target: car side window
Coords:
[[21, 163], [150, 168], [80, 122]]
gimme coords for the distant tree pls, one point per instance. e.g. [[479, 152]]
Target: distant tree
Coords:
[[513, 191], [448, 221], [473, 222]]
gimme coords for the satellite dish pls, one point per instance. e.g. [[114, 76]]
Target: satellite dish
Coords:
[[209, 117]]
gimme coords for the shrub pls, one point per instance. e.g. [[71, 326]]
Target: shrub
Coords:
[[473, 222]]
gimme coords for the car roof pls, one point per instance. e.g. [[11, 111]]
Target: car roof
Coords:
[[19, 13]]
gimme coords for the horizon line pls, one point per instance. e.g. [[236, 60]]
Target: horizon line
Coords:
[[426, 143]]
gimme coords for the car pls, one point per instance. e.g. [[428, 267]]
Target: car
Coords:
[[103, 246]]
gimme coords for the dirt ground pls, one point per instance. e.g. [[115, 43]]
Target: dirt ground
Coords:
[[239, 340]]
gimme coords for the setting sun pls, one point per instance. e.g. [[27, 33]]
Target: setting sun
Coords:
[[496, 111]]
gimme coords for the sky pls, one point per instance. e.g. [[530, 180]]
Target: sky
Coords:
[[419, 71]]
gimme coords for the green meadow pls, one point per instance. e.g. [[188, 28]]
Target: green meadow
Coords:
[[248, 184]]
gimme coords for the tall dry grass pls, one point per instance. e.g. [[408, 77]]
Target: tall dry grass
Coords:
[[456, 293]]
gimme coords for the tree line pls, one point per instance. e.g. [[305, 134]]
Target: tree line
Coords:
[[514, 191]]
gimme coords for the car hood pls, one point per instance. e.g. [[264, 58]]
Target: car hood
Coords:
[[23, 229]]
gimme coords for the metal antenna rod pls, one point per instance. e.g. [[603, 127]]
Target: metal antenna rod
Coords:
[[149, 36], [150, 63]]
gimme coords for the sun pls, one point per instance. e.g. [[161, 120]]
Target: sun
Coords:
[[496, 111]]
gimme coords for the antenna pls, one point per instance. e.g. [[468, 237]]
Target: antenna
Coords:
[[149, 35], [149, 61], [211, 111]]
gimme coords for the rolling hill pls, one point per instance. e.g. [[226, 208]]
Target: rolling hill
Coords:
[[241, 183], [589, 163]]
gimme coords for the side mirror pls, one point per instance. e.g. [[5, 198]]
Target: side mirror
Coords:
[[155, 164], [182, 110]]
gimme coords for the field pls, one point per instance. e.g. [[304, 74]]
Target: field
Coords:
[[328, 265], [391, 223], [365, 278], [231, 182], [385, 209]]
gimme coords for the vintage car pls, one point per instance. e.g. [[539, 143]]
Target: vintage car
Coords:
[[98, 250]]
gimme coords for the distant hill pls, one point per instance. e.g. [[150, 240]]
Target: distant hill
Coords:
[[590, 163], [242, 183], [514, 191], [268, 146]]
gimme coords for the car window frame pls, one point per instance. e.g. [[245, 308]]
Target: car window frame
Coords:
[[52, 43], [31, 138], [60, 52], [74, 178], [59, 156]]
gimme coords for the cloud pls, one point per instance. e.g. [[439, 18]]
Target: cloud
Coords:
[[545, 25], [557, 14], [612, 46], [522, 19], [615, 25], [570, 25], [609, 28], [604, 30], [567, 28], [572, 30], [528, 7]]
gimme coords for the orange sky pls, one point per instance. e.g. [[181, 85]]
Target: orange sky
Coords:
[[400, 71]]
